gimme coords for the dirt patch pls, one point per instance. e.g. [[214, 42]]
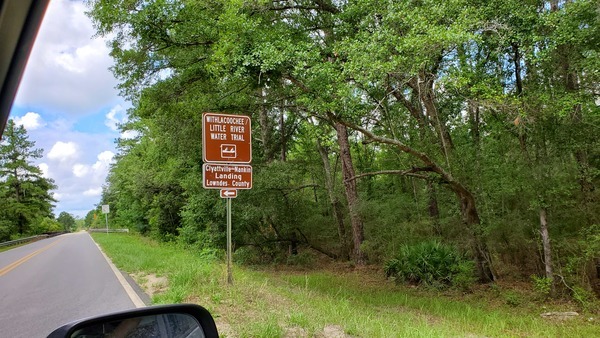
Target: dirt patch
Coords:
[[225, 330], [295, 332], [334, 331], [151, 283], [329, 331]]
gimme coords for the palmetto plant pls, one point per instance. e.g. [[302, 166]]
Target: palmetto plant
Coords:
[[431, 263]]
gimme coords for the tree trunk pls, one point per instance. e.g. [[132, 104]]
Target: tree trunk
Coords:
[[265, 128], [293, 248], [283, 136], [433, 208], [336, 206], [351, 192], [467, 201], [474, 121], [517, 64], [547, 250], [427, 97], [473, 223]]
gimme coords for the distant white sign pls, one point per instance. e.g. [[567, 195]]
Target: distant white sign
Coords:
[[105, 209]]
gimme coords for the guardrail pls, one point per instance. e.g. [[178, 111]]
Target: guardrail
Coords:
[[23, 240], [55, 233], [108, 230]]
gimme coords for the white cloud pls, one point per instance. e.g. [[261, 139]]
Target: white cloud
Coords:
[[63, 151], [68, 70], [129, 134], [44, 168], [102, 166], [106, 156], [115, 117], [75, 61], [93, 192], [69, 87], [98, 172], [79, 183], [31, 121], [80, 170]]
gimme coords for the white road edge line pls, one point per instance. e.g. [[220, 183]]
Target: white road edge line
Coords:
[[137, 301]]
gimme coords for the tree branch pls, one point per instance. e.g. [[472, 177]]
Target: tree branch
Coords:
[[288, 190], [409, 172], [297, 83], [454, 185]]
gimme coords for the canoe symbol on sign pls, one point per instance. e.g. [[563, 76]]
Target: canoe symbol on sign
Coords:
[[228, 151]]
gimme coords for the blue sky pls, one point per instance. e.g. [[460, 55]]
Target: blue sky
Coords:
[[68, 103]]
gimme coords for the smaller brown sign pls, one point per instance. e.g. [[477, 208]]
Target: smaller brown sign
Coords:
[[228, 193], [226, 176]]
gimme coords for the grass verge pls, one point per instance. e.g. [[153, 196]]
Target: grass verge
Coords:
[[361, 303]]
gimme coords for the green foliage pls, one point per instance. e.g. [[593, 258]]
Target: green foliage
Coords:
[[580, 267], [248, 255], [430, 263], [542, 285], [373, 250], [48, 224], [303, 259], [25, 197], [512, 298], [492, 100], [585, 298], [67, 221], [92, 219]]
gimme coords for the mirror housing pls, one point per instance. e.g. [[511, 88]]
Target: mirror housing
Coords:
[[120, 324], [19, 23]]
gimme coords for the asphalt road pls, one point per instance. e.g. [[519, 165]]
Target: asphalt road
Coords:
[[54, 281]]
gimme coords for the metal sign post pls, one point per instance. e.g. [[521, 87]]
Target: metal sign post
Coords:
[[229, 263]]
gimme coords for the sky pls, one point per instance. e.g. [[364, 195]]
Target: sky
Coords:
[[69, 106]]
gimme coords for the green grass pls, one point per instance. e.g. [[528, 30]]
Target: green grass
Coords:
[[359, 303], [186, 271], [6, 248]]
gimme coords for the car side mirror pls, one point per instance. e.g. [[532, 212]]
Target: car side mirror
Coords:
[[167, 321]]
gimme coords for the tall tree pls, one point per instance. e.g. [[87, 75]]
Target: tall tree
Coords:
[[25, 193], [66, 220]]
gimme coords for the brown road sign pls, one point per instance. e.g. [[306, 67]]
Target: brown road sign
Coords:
[[226, 138], [228, 193], [226, 176]]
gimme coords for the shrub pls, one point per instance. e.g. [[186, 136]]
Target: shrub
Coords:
[[542, 285], [373, 250], [247, 255], [584, 298], [512, 298], [302, 259], [431, 263]]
